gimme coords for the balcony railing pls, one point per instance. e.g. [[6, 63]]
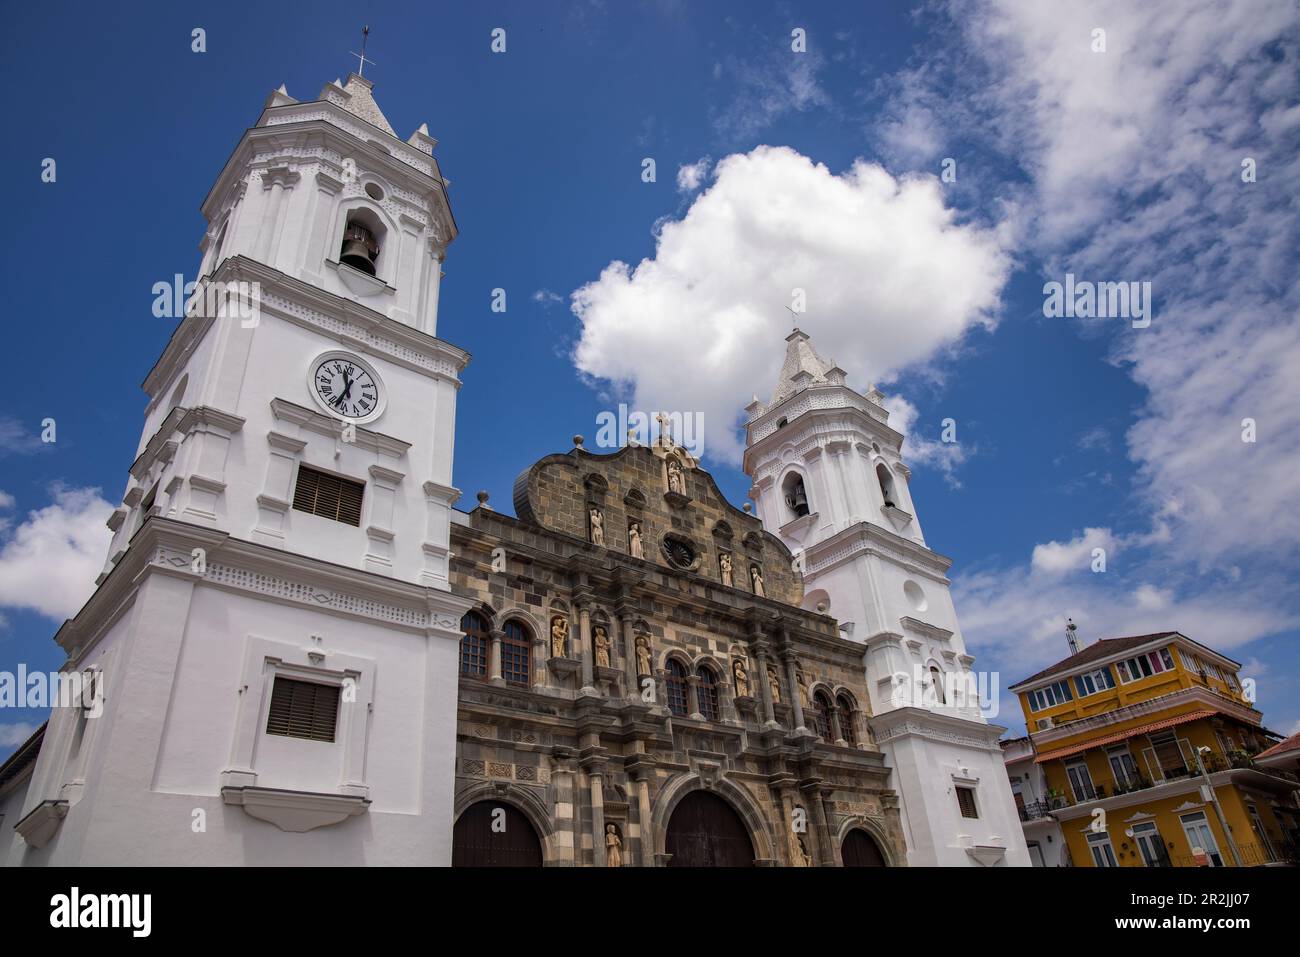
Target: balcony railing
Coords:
[[1214, 763], [1278, 851]]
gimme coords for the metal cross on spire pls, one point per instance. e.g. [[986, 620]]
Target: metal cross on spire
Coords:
[[361, 57]]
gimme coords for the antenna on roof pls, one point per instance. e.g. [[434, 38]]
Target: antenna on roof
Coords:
[[1071, 635]]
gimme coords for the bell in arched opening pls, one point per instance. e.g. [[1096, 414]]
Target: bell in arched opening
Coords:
[[796, 498], [360, 250]]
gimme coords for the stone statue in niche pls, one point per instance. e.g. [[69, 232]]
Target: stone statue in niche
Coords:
[[676, 480], [613, 846], [742, 678], [559, 636], [601, 640], [597, 527], [642, 655], [775, 684], [802, 688], [724, 565], [804, 859], [756, 577], [634, 547]]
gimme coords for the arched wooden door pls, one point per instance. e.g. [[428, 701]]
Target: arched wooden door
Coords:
[[861, 850], [485, 838], [704, 831]]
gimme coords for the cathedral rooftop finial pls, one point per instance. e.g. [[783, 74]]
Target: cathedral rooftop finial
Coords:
[[361, 57]]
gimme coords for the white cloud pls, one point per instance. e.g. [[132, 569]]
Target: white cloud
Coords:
[[691, 176], [546, 297], [12, 735], [767, 89], [891, 277], [6, 500], [49, 562], [1057, 558], [919, 448], [1131, 161], [15, 439]]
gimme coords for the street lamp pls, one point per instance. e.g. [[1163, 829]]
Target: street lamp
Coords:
[[1214, 799]]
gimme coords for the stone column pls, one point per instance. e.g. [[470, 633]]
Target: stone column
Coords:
[[791, 673], [566, 832], [821, 850], [494, 657], [764, 691], [588, 652], [693, 697], [630, 676], [643, 810], [596, 781], [786, 790], [828, 819], [837, 733]]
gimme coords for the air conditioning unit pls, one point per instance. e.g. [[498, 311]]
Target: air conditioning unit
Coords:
[[1045, 724]]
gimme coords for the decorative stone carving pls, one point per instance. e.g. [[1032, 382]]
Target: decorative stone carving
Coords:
[[724, 567], [613, 846], [774, 683], [559, 636], [676, 480], [803, 859], [756, 576], [597, 527], [642, 655], [741, 676], [601, 640], [634, 547], [802, 687]]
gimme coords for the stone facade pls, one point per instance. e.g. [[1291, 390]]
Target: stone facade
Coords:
[[592, 739]]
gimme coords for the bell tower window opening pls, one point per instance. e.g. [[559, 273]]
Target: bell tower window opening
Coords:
[[796, 497], [886, 485], [360, 248]]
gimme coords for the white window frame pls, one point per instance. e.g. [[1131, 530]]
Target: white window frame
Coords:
[[1189, 822], [264, 659], [1098, 843], [1092, 785]]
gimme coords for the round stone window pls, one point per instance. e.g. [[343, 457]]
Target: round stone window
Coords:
[[680, 552]]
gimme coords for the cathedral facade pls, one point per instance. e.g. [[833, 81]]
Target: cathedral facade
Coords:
[[639, 686], [300, 652]]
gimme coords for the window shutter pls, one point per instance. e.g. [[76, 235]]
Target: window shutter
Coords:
[[303, 709], [328, 496]]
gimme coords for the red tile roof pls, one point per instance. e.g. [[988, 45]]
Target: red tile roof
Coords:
[[1095, 652], [1290, 744], [1123, 735]]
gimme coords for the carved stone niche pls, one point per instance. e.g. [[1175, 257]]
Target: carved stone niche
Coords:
[[597, 488]]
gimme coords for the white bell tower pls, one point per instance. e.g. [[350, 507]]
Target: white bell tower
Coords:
[[273, 639], [829, 480]]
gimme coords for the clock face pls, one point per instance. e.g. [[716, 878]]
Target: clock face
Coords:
[[346, 387]]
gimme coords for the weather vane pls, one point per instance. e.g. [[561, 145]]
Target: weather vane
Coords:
[[793, 312], [361, 57]]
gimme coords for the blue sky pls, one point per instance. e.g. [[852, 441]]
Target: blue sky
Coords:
[[1120, 164]]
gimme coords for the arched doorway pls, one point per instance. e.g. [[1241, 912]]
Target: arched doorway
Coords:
[[704, 831], [861, 850], [494, 834]]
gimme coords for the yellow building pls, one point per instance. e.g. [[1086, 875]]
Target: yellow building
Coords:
[[1118, 728]]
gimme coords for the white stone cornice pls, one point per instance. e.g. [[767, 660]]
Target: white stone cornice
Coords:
[[165, 546], [322, 424], [292, 300], [444, 494], [925, 628], [937, 726], [867, 538]]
